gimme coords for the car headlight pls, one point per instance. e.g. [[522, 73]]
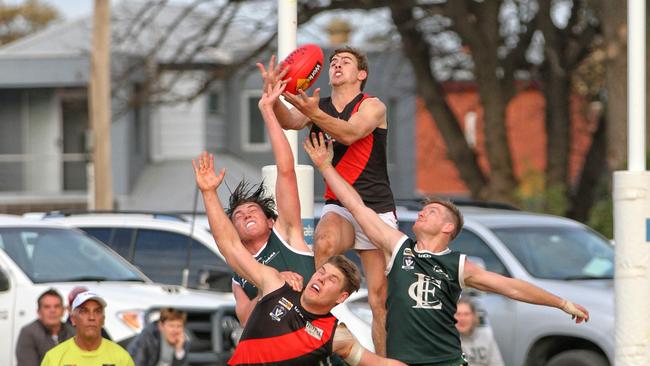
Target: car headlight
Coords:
[[361, 310], [134, 319]]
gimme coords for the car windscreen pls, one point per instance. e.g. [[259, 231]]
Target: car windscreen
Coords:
[[560, 253], [62, 255]]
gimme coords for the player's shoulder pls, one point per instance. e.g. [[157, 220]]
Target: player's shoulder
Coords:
[[373, 102], [370, 98]]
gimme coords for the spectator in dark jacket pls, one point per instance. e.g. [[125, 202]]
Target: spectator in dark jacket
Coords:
[[162, 343], [37, 337]]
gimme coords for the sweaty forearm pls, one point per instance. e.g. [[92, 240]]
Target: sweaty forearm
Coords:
[[288, 119], [527, 292], [340, 130]]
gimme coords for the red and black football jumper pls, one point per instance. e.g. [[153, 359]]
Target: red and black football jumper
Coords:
[[363, 163], [280, 331]]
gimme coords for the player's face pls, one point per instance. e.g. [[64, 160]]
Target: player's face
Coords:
[[345, 68], [465, 320], [50, 311], [88, 319], [325, 287], [431, 219], [250, 221]]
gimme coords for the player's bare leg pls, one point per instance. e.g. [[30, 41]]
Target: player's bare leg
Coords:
[[374, 265], [334, 235]]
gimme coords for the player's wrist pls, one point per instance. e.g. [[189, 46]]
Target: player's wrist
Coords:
[[354, 357], [325, 165]]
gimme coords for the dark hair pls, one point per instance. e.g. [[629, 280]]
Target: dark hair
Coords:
[[49, 292], [456, 216], [172, 314], [362, 60], [247, 193], [350, 272]]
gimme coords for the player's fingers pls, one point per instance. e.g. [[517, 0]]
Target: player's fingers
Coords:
[[262, 69], [272, 63], [283, 72], [321, 139]]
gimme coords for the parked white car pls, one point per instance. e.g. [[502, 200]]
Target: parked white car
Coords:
[[192, 258], [144, 238], [37, 255]]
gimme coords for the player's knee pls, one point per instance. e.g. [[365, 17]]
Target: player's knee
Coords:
[[325, 244]]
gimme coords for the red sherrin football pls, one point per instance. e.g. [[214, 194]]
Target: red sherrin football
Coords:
[[305, 64]]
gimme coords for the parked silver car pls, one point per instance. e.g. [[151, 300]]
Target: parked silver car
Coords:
[[554, 253]]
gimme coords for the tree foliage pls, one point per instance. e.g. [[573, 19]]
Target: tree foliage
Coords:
[[502, 45], [19, 20]]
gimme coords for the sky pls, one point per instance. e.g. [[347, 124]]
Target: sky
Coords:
[[68, 8], [72, 8]]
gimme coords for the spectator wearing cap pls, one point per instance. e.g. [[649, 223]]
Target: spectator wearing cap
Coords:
[[162, 343], [44, 333], [88, 347], [71, 296]]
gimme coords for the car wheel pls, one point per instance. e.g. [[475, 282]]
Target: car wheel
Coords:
[[578, 358]]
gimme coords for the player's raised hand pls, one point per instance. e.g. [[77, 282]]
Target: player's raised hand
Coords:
[[271, 94], [293, 279], [307, 105], [206, 178], [272, 74], [319, 150]]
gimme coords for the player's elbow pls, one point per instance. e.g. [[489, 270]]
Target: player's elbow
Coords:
[[286, 168], [349, 138]]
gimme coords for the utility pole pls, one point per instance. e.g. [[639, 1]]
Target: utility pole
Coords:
[[100, 106]]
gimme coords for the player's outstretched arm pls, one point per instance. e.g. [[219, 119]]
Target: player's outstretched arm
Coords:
[[371, 114], [348, 347], [263, 277], [378, 232], [290, 119], [477, 277], [244, 306], [288, 223]]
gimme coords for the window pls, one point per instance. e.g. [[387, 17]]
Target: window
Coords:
[[44, 256], [120, 240], [162, 256], [469, 243], [560, 253], [214, 102], [101, 234], [254, 136], [204, 262]]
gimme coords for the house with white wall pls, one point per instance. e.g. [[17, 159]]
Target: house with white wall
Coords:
[[44, 118]]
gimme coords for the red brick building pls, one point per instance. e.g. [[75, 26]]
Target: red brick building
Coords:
[[435, 174]]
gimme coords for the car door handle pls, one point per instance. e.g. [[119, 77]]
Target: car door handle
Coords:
[[4, 314]]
